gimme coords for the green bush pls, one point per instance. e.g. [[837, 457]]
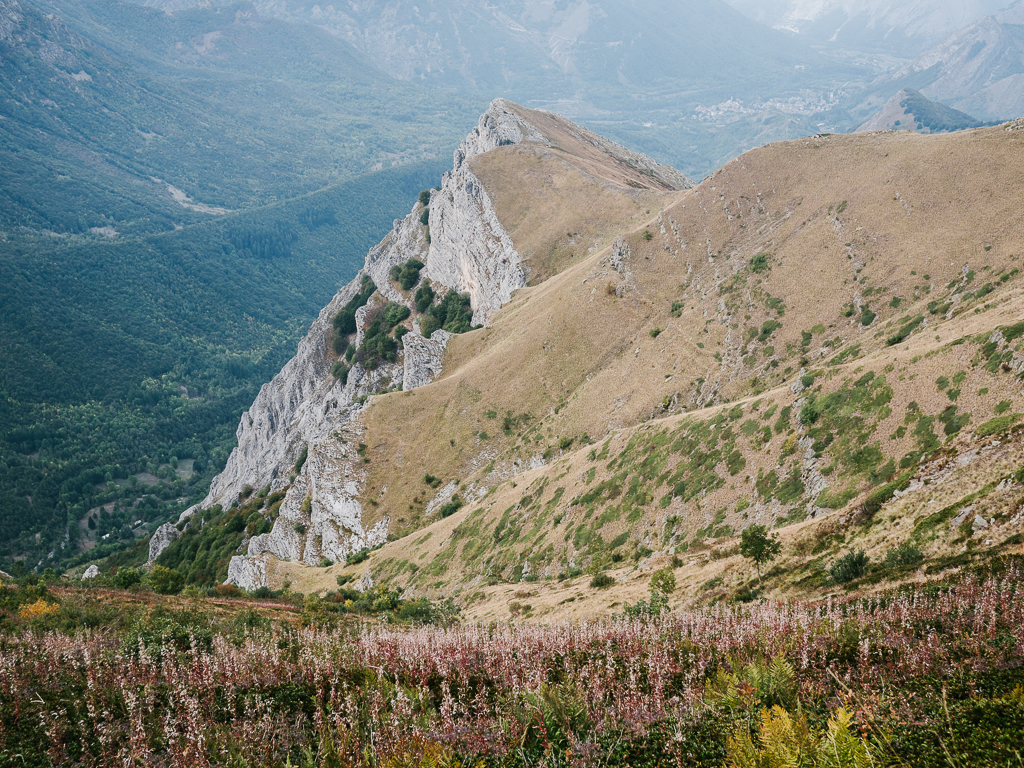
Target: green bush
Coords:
[[340, 371], [453, 506], [998, 425], [602, 581], [125, 578], [408, 274], [358, 557], [424, 297], [166, 581], [879, 496], [903, 555], [850, 566], [345, 321], [453, 313], [644, 608], [301, 461], [663, 580], [759, 263], [378, 344], [767, 329], [904, 331]]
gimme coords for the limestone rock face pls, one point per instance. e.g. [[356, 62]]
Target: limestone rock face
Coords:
[[248, 572], [296, 406], [499, 126], [407, 240], [306, 408], [161, 540], [423, 357], [91, 572], [470, 251]]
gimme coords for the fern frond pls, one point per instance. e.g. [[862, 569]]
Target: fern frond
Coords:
[[841, 748]]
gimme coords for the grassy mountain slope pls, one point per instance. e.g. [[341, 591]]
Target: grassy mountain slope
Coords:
[[803, 328]]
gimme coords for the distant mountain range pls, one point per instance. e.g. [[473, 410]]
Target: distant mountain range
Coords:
[[664, 76], [903, 29]]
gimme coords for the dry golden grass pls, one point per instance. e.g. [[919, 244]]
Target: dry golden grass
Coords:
[[835, 216], [556, 215]]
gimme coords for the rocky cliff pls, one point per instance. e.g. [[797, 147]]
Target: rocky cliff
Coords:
[[301, 435]]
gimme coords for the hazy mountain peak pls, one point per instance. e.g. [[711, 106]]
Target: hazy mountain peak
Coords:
[[909, 110]]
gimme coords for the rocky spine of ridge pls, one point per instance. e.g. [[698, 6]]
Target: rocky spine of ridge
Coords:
[[304, 410]]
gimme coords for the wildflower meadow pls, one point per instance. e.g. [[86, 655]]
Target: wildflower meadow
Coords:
[[926, 675]]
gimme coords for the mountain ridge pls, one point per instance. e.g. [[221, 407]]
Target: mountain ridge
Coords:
[[904, 29], [741, 395], [466, 250], [979, 69]]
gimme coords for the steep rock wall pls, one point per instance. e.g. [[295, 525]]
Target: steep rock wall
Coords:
[[305, 409]]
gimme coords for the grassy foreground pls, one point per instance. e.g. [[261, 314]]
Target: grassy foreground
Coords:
[[929, 675]]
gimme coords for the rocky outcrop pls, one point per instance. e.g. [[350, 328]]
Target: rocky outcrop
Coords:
[[294, 409], [161, 540], [470, 251], [423, 358], [91, 572], [248, 572], [499, 126], [406, 240]]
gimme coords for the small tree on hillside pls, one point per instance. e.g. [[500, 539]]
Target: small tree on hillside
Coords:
[[760, 546]]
